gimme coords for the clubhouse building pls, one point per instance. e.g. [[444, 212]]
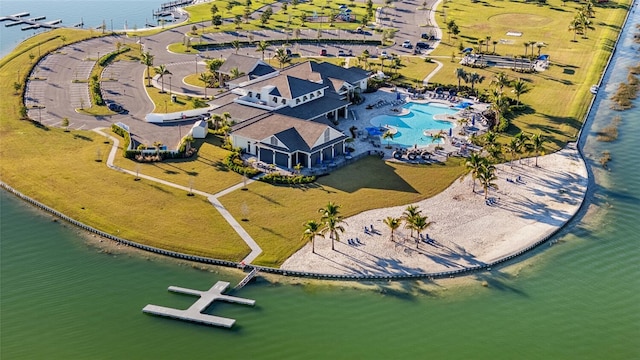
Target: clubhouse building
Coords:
[[286, 117]]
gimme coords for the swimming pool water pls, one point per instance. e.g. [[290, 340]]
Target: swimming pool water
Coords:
[[412, 125]]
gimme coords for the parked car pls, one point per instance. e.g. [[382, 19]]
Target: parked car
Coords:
[[384, 54], [341, 53], [288, 51], [359, 31], [323, 52], [115, 107], [422, 45], [407, 44]]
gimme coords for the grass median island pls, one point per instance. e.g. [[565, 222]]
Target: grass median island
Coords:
[[559, 96], [275, 214]]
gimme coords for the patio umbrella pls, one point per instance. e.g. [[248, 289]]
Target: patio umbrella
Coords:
[[398, 96], [473, 120], [450, 132]]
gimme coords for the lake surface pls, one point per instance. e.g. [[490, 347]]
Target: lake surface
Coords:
[[579, 298]]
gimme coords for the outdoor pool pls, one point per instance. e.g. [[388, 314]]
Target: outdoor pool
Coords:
[[411, 126]]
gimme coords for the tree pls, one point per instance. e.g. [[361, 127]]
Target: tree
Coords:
[[147, 60], [461, 74], [206, 77], [388, 135], [420, 223], [499, 105], [500, 80], [262, 46], [519, 88], [474, 78], [16, 88], [247, 14], [540, 45], [236, 45], [494, 43], [162, 71], [409, 215], [236, 73], [214, 65], [237, 21], [487, 176], [536, 145], [437, 136], [331, 219], [488, 38], [393, 224], [65, 124], [311, 230], [474, 164], [216, 20], [513, 147], [282, 57]]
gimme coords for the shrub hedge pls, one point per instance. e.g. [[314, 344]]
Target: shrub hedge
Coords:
[[277, 178]]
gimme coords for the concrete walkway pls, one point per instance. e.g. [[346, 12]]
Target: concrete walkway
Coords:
[[213, 198]]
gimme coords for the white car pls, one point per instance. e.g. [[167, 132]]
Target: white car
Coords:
[[407, 44], [384, 54]]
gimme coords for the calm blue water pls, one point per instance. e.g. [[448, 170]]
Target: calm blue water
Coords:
[[116, 14], [411, 126]]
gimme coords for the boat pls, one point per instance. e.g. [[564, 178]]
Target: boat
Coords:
[[594, 89]]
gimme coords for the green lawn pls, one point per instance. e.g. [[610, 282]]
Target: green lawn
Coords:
[[559, 97], [276, 213]]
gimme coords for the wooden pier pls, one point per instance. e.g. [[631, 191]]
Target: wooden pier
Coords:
[[165, 8], [195, 312]]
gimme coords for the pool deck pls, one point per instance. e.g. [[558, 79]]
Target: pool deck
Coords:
[[363, 116]]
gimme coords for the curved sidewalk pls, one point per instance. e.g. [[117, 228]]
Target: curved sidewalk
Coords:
[[213, 198]]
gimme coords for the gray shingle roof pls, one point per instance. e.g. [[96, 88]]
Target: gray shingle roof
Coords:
[[296, 134], [246, 64], [289, 87]]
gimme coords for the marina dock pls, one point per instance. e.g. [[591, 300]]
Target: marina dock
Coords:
[[195, 312], [32, 23]]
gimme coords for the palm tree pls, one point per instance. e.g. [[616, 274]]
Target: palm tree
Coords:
[[311, 230], [331, 219], [147, 60], [540, 45], [437, 136], [499, 105], [393, 224], [536, 145], [236, 73], [490, 138], [474, 163], [420, 224], [521, 138], [364, 58], [217, 120], [409, 215], [262, 46], [205, 77], [487, 176], [500, 80], [513, 147], [488, 41], [474, 78], [576, 27], [162, 71], [236, 45], [519, 88], [388, 135], [214, 65], [282, 57], [461, 75]]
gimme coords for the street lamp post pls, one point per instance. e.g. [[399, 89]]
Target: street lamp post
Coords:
[[169, 85], [196, 64], [165, 106]]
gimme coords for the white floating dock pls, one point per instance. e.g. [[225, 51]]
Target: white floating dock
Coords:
[[194, 312]]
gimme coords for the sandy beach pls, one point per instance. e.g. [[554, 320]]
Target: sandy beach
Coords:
[[530, 203]]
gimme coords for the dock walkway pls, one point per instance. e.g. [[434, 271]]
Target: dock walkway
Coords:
[[195, 312]]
